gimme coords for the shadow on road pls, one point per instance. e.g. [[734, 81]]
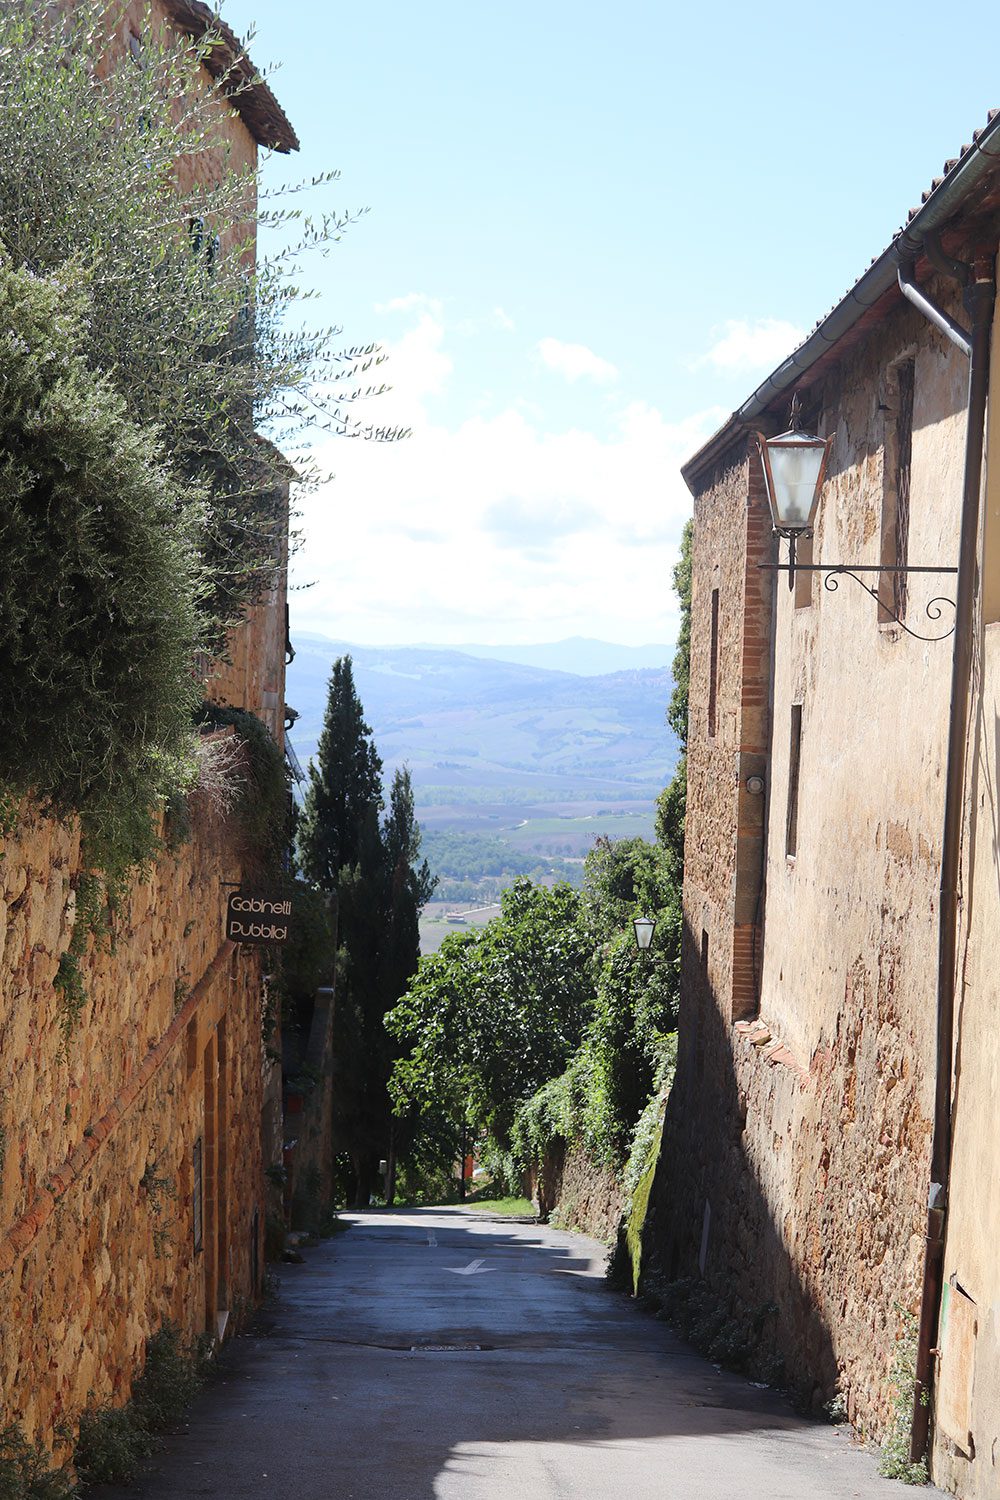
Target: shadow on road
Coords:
[[432, 1354]]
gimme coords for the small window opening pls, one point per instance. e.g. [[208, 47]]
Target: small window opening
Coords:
[[804, 581], [196, 1195], [896, 491], [713, 667], [704, 949], [794, 757], [205, 246]]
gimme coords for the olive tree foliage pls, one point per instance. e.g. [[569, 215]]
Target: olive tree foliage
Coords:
[[197, 337], [97, 580], [196, 347]]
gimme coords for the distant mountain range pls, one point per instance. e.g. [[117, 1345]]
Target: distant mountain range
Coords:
[[476, 723], [577, 654]]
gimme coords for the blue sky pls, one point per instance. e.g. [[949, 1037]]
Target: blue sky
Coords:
[[593, 229]]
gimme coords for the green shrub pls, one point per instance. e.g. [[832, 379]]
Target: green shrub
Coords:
[[91, 919], [97, 566], [554, 1114], [25, 1472], [111, 1445], [113, 1440], [171, 1379], [894, 1458]]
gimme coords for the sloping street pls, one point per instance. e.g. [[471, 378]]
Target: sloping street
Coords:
[[434, 1353]]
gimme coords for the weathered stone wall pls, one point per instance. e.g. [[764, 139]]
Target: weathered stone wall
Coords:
[[99, 1126], [572, 1191], [308, 1153], [793, 1176], [105, 1229]]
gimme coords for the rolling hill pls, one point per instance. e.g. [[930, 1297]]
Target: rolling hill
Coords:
[[516, 768]]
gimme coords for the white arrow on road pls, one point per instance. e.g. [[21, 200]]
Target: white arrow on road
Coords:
[[474, 1268]]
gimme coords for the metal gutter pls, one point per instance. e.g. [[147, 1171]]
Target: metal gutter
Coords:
[[880, 278]]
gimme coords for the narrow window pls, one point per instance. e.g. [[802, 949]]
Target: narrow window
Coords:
[[196, 1190], [704, 949], [794, 755], [804, 581], [896, 492], [713, 666]]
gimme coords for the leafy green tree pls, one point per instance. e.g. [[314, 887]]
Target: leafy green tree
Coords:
[[494, 1013], [635, 1006]]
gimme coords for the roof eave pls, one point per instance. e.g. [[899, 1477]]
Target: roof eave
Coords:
[[252, 98], [868, 300]]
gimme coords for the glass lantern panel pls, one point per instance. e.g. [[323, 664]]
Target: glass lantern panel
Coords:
[[796, 461], [643, 931]]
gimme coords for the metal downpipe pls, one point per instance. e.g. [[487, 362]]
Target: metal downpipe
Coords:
[[934, 314], [979, 299]]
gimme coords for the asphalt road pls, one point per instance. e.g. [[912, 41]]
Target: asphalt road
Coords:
[[433, 1354]]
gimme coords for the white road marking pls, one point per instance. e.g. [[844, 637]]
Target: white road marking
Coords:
[[474, 1268]]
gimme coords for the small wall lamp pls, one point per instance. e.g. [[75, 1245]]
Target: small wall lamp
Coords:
[[644, 929], [794, 469], [794, 466]]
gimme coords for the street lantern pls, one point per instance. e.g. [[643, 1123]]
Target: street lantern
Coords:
[[794, 466], [644, 927]]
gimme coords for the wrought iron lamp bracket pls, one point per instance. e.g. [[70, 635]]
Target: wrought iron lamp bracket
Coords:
[[833, 572]]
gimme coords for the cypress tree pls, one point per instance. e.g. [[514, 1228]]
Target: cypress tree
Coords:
[[343, 848], [407, 885], [344, 785]]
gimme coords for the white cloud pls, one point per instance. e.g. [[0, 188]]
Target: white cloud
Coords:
[[411, 300], [503, 320], [759, 345], [494, 529], [575, 361]]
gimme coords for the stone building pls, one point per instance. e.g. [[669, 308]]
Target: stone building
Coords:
[[132, 1187], [796, 1172]]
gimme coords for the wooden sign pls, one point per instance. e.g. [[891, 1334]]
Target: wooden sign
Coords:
[[258, 917]]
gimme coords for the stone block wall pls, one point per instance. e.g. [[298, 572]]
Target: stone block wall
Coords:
[[572, 1191], [99, 1126]]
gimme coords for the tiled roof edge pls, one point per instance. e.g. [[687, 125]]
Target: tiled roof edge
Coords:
[[252, 99], [943, 198]]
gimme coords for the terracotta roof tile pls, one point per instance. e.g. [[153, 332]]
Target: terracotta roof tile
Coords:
[[252, 98]]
